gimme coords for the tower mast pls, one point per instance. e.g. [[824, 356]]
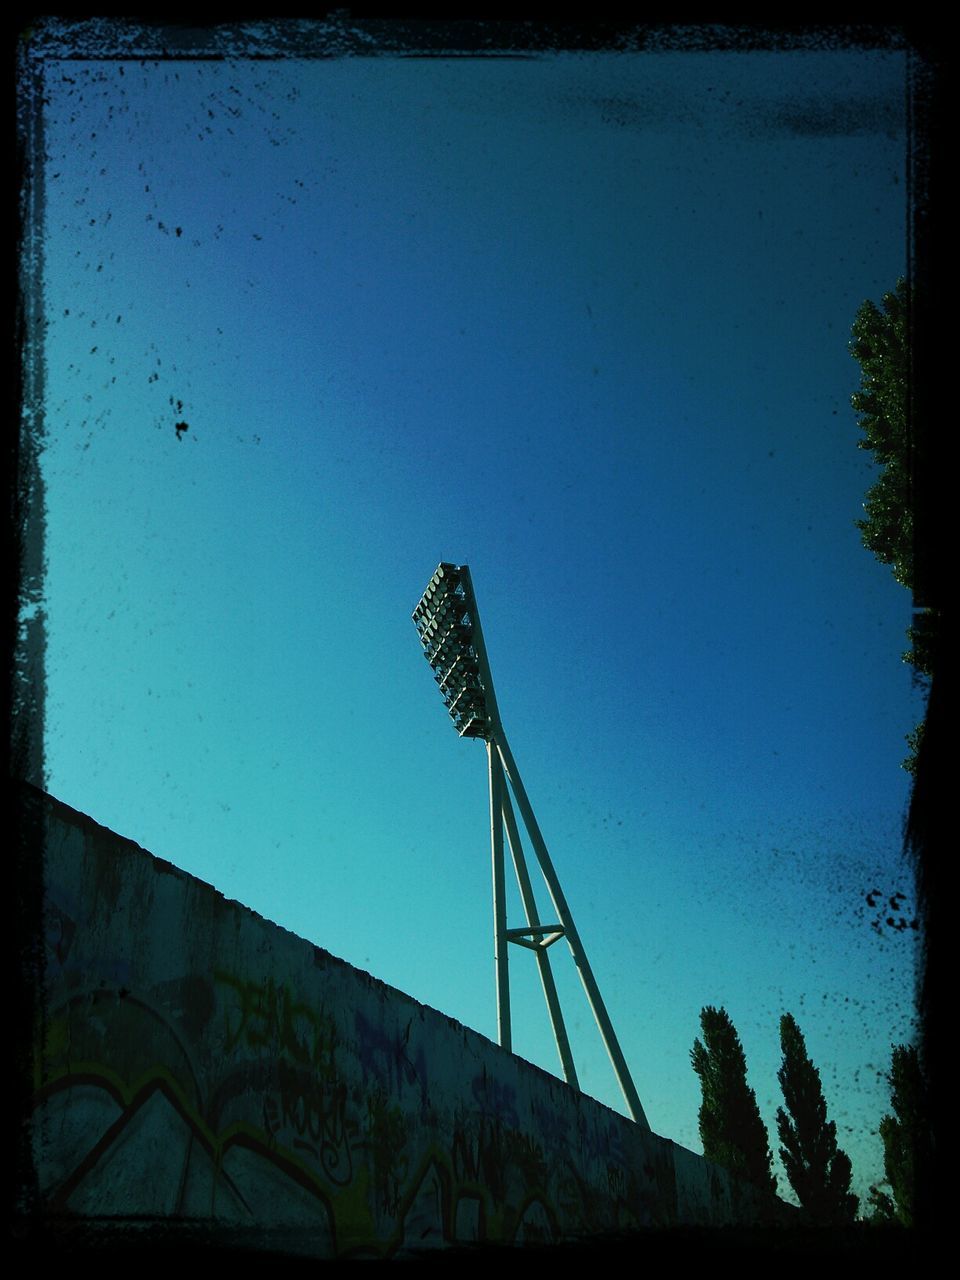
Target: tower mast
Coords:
[[448, 623]]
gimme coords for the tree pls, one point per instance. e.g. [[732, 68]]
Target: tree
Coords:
[[882, 346], [882, 1209], [906, 1136], [818, 1170], [731, 1130]]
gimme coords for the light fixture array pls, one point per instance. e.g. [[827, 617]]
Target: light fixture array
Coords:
[[444, 619]]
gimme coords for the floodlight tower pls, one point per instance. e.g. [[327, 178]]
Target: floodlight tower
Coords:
[[448, 624]]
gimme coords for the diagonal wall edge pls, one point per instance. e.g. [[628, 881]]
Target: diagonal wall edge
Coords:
[[198, 1065]]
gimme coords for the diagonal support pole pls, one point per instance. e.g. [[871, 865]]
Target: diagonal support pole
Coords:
[[543, 959], [607, 1033]]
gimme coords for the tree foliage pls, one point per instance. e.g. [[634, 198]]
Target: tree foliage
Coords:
[[881, 344], [818, 1170], [731, 1129], [882, 348], [906, 1136], [882, 1209]]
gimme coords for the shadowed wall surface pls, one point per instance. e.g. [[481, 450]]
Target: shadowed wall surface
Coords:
[[202, 1064]]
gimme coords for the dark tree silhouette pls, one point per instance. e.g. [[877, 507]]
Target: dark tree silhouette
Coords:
[[882, 346], [906, 1135], [731, 1129], [818, 1170]]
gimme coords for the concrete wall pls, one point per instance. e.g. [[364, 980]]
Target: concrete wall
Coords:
[[199, 1062]]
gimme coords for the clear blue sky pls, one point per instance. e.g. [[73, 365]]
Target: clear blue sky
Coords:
[[580, 322]]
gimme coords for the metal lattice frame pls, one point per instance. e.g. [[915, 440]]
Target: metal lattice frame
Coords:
[[448, 623]]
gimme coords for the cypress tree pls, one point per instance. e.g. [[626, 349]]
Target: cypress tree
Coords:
[[818, 1170], [906, 1136], [731, 1129]]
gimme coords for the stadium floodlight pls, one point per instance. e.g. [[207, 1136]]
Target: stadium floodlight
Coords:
[[448, 624]]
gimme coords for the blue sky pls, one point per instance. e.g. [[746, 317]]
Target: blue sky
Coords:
[[580, 322]]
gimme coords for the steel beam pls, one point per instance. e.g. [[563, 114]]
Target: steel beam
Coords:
[[604, 1024], [543, 960], [500, 943]]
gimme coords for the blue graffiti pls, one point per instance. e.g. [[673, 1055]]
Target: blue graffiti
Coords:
[[494, 1098], [388, 1059]]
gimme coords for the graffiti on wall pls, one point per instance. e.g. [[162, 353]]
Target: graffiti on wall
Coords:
[[230, 1097], [242, 1095]]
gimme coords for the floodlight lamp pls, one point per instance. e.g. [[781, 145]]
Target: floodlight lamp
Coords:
[[468, 701], [443, 624], [439, 614], [450, 604], [455, 640], [446, 622], [459, 672]]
